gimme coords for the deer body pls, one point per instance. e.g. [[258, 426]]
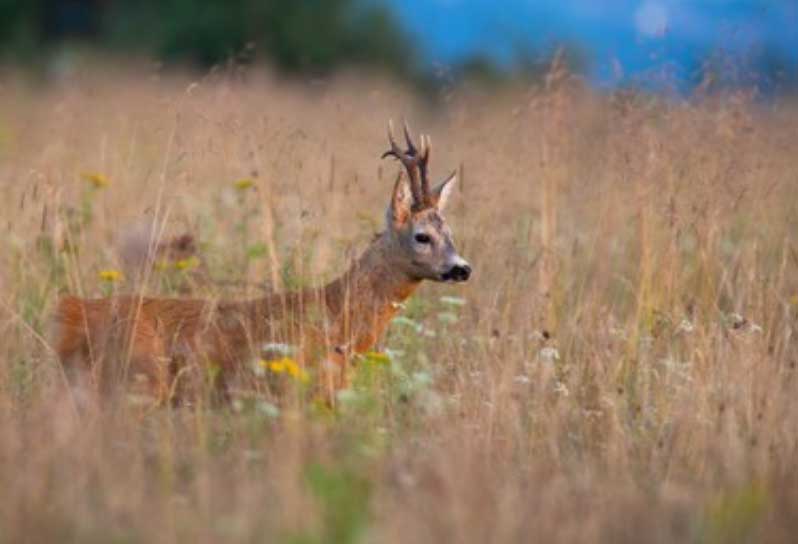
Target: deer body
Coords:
[[159, 338]]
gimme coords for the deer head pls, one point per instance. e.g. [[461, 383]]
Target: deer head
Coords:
[[423, 246]]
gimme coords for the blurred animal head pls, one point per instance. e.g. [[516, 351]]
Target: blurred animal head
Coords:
[[142, 252]]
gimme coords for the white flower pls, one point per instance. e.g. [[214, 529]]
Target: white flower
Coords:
[[276, 347], [407, 322], [394, 354], [257, 368], [447, 317], [268, 409], [453, 301], [421, 378], [618, 331], [685, 326], [549, 354]]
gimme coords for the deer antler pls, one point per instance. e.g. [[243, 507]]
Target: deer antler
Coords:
[[415, 163], [423, 159]]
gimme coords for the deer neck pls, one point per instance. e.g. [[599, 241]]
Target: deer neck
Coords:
[[367, 296], [354, 309]]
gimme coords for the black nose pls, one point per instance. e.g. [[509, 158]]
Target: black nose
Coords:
[[460, 272]]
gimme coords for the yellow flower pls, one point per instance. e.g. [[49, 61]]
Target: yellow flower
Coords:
[[111, 276], [244, 184], [289, 366], [96, 179], [297, 372], [187, 264], [376, 358], [277, 366]]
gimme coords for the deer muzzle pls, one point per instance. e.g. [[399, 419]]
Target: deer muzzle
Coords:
[[458, 272]]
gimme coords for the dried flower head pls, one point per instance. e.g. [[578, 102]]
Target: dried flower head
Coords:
[[110, 275], [97, 180], [243, 184]]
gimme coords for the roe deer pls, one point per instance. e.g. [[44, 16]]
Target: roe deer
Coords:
[[156, 338]]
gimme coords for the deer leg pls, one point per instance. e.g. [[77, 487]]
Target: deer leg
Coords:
[[333, 375]]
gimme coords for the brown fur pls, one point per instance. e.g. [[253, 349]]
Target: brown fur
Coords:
[[157, 338]]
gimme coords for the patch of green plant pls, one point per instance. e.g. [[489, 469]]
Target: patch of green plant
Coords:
[[734, 516], [343, 495]]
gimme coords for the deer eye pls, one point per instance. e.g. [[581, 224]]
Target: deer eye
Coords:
[[422, 238]]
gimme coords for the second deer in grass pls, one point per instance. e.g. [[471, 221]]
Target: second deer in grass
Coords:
[[158, 338]]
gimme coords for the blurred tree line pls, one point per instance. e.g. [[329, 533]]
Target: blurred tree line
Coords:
[[296, 36], [316, 37]]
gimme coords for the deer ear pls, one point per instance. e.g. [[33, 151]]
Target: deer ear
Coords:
[[440, 194], [401, 202]]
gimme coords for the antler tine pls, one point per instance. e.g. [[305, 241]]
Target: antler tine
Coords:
[[394, 151], [411, 148], [422, 167], [409, 160], [426, 143]]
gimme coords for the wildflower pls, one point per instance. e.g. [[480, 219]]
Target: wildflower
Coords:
[[406, 321], [685, 326], [243, 184], [187, 264], [258, 368], [618, 332], [267, 409], [549, 354], [97, 180], [447, 317], [288, 366], [561, 389], [394, 353], [277, 366], [453, 301], [277, 347], [421, 378], [296, 371], [376, 358], [110, 275]]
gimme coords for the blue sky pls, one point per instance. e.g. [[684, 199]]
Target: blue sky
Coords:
[[624, 39]]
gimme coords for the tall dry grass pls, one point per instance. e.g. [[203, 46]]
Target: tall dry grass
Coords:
[[621, 368]]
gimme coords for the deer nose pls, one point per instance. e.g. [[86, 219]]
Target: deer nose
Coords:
[[460, 272]]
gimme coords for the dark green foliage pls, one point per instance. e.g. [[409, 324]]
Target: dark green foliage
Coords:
[[296, 36]]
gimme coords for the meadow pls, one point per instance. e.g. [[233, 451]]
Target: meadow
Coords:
[[620, 368]]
